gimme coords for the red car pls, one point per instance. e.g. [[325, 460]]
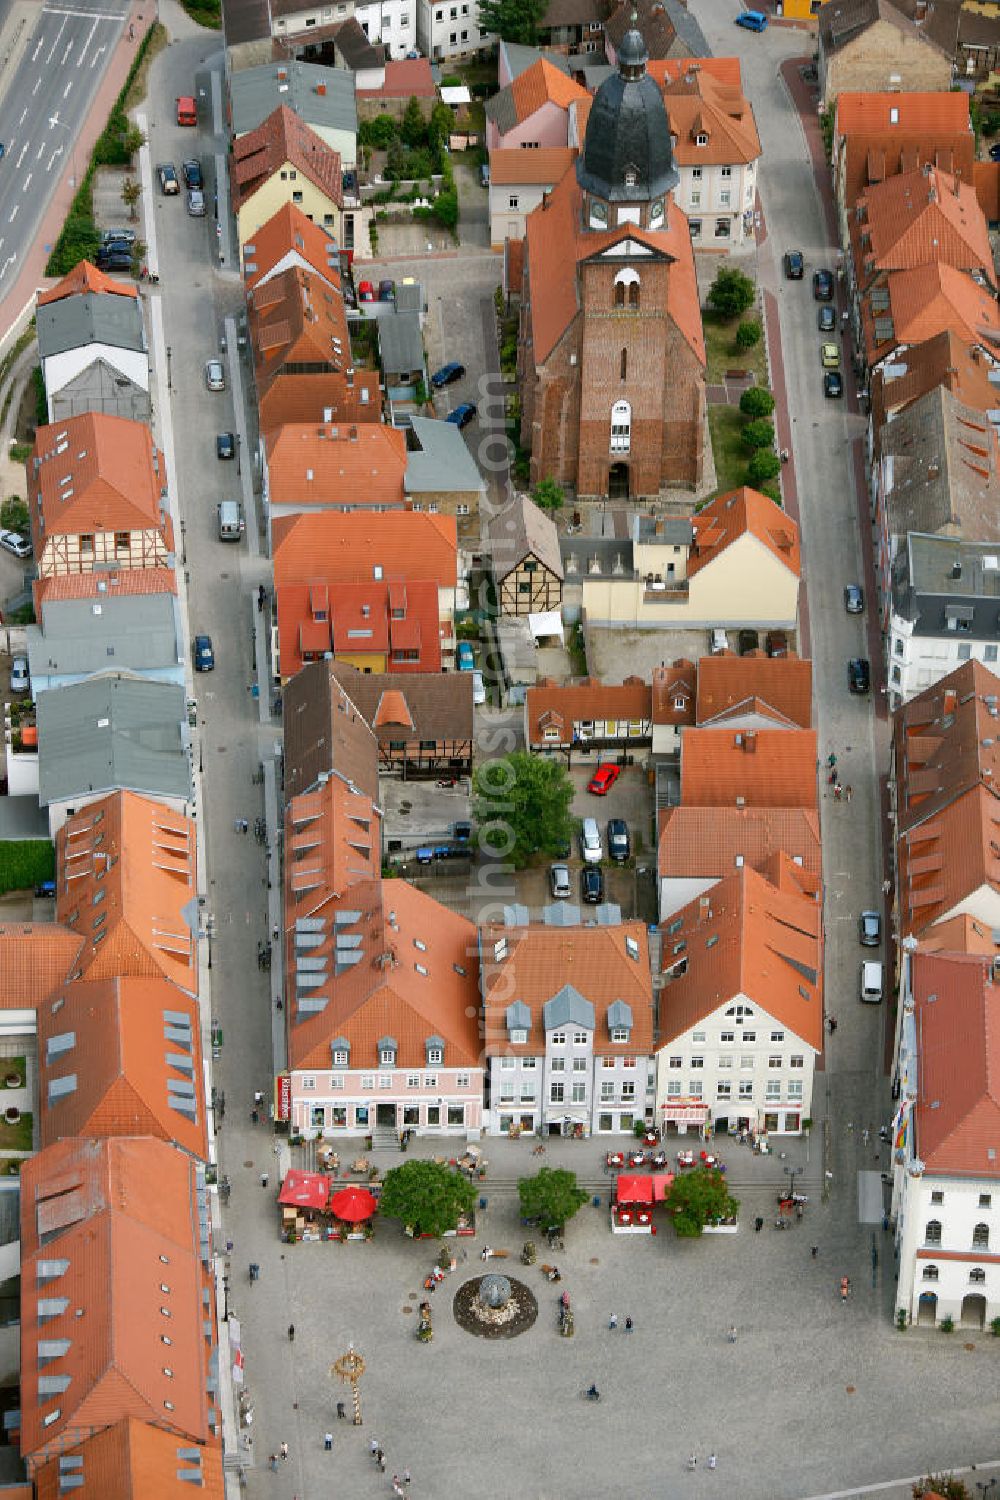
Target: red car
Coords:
[[366, 292], [603, 780]]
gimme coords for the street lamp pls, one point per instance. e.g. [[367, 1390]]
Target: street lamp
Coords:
[[238, 443], [169, 384]]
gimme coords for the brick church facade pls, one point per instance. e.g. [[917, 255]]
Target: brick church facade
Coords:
[[611, 362]]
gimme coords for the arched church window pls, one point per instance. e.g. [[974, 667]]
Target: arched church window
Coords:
[[621, 427]]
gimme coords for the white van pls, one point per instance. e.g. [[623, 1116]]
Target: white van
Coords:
[[231, 522], [871, 983], [590, 842]]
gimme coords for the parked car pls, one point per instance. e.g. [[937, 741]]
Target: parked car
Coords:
[[465, 657], [833, 385], [114, 257], [823, 285], [854, 599], [462, 415], [215, 375], [859, 675], [592, 884], [995, 152], [777, 643], [204, 653], [827, 320], [591, 848], [19, 679], [447, 374], [749, 641], [225, 445], [45, 888], [619, 843], [196, 203], [603, 780], [752, 20], [795, 265], [559, 882], [869, 929], [168, 179], [478, 688], [366, 292], [719, 642], [192, 174], [484, 174], [13, 541], [387, 291], [127, 236], [829, 356]]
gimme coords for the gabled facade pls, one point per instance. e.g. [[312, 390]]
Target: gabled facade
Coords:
[[289, 239], [447, 31], [945, 610], [525, 559], [422, 722], [519, 181], [869, 46], [699, 846], [531, 111], [588, 715], [283, 162], [673, 695], [92, 345], [569, 1024], [132, 1460], [716, 148]]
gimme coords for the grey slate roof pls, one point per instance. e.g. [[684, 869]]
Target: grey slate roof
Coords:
[[693, 42], [409, 297], [520, 59], [245, 21], [93, 318], [400, 342], [442, 462], [113, 731], [568, 1008], [651, 20], [502, 110], [927, 593], [523, 530], [841, 21], [935, 487], [255, 93], [628, 133], [518, 1017], [136, 632], [620, 1014]]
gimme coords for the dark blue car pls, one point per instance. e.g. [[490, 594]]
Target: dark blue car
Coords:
[[462, 415], [447, 375], [204, 654]]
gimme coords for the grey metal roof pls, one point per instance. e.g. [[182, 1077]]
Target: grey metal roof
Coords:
[[595, 556], [400, 342], [620, 1014], [944, 585], [567, 1008], [628, 134], [113, 731], [561, 914], [516, 915], [409, 297], [23, 818], [133, 632], [608, 914], [520, 59], [523, 530], [255, 93], [518, 1016], [688, 29], [501, 110], [663, 531], [93, 318], [442, 461]]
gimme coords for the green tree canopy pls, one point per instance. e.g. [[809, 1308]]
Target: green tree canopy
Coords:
[[764, 464], [14, 515], [695, 1198], [512, 20], [429, 1198], [547, 493], [749, 333], [758, 434], [413, 127], [551, 1196], [756, 401], [521, 806], [731, 293]]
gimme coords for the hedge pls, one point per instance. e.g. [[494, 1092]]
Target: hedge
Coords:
[[26, 862]]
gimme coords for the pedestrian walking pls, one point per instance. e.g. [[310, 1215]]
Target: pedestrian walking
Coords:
[[263, 1179], [131, 31], [732, 1334], [832, 1024], [238, 826], [758, 1224], [341, 1411], [406, 1476], [711, 1460], [838, 791], [283, 1450], [380, 1460], [254, 1117], [246, 826], [885, 1223], [328, 1442], [886, 887], [613, 1322], [832, 778], [845, 1288], [373, 1447], [693, 1461], [628, 1325], [848, 792], [831, 760], [814, 1251], [291, 1333], [273, 1463]]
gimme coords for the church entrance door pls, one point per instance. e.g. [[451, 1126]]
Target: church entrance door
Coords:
[[618, 482]]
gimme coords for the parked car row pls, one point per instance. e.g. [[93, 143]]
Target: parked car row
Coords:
[[592, 849]]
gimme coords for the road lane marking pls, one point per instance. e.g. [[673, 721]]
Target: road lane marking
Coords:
[[67, 88], [24, 152], [34, 55], [100, 15], [86, 45], [13, 215], [54, 157], [65, 56], [27, 183], [55, 43], [38, 153], [97, 55], [34, 91]]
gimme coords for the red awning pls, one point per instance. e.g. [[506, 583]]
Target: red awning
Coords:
[[634, 1190], [662, 1183], [353, 1204], [305, 1190]]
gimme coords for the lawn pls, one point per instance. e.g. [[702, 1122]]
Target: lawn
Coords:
[[12, 1066], [24, 863], [723, 355], [16, 1137], [731, 455]]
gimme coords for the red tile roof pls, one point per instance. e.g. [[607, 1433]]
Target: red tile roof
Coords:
[[35, 959], [555, 240], [320, 398], [543, 83], [946, 359], [700, 106], [289, 237], [543, 167], [95, 473], [332, 840], [917, 219], [418, 977], [347, 547], [118, 1222], [86, 278], [134, 1460], [717, 841], [899, 114], [667, 70], [311, 464], [962, 934], [297, 320], [753, 768], [405, 78], [867, 157], [284, 138], [986, 180], [139, 860], [924, 302], [132, 1050], [738, 512], [776, 687], [551, 709], [749, 937], [356, 619], [957, 1014], [673, 693], [132, 582]]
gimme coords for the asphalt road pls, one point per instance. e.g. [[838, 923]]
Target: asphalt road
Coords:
[[43, 106]]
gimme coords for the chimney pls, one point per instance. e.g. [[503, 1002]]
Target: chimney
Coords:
[[321, 89], [282, 75], [750, 742], [950, 701]]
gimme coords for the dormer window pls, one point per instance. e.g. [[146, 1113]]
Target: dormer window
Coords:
[[619, 1034], [701, 139], [434, 1049], [340, 1052], [435, 1055], [388, 1047], [630, 177], [518, 1037]]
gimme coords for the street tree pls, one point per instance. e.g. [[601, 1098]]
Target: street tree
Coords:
[[133, 140], [428, 1197], [756, 401], [548, 495], [131, 193], [413, 126], [513, 20], [14, 515], [749, 333], [731, 293], [551, 1196], [764, 464], [521, 806], [758, 434], [697, 1197]]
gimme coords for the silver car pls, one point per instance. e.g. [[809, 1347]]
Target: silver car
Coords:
[[559, 882], [19, 679], [215, 375], [196, 203]]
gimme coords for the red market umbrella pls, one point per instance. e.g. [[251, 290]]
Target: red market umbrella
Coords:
[[634, 1189], [353, 1204], [304, 1190]]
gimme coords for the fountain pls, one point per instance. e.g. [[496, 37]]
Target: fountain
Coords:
[[495, 1306]]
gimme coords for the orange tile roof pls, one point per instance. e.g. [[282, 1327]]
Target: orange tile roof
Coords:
[[134, 1060], [898, 114], [532, 964], [753, 768], [957, 1111], [716, 841], [986, 180], [543, 167], [86, 278], [543, 83], [35, 959], [134, 1460], [404, 78], [118, 1220], [346, 547], [950, 858], [945, 742], [961, 934], [558, 706], [138, 859], [749, 937], [320, 398], [332, 841], [95, 473], [297, 319], [868, 158], [386, 993], [946, 359], [916, 219], [555, 240], [731, 515], [289, 236], [358, 620], [131, 581], [700, 105], [315, 464], [284, 138], [667, 70], [673, 693], [926, 301], [778, 687]]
